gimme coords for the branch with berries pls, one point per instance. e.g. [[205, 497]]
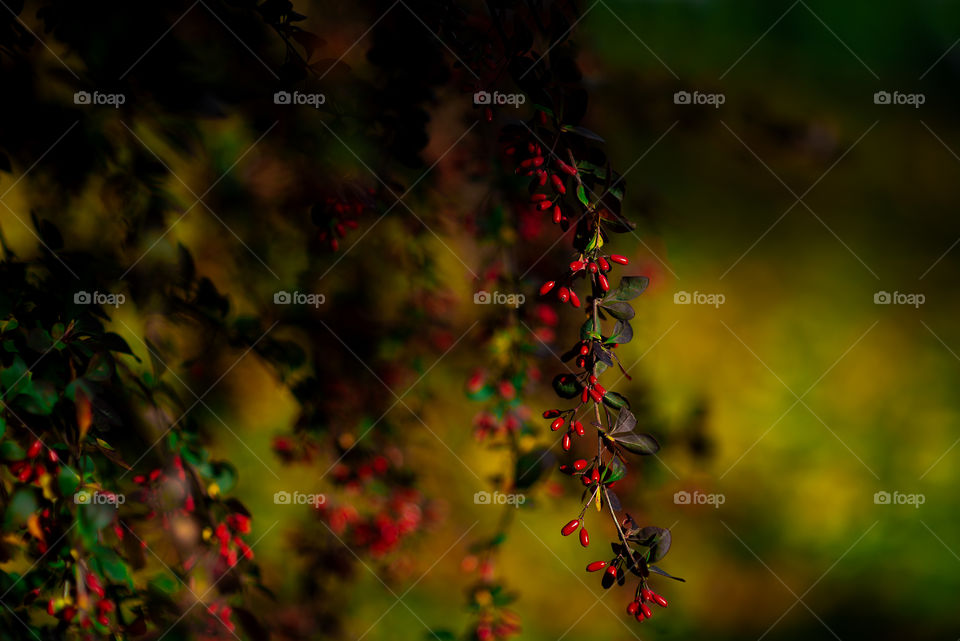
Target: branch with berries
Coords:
[[565, 180]]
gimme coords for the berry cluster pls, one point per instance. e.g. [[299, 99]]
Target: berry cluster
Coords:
[[335, 214], [85, 602]]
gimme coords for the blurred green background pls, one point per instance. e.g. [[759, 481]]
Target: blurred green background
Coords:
[[796, 400]]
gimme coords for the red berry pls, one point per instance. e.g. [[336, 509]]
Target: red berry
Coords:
[[585, 479], [547, 286], [646, 594], [633, 608], [593, 379], [659, 600], [579, 464], [535, 197], [34, 449], [578, 427], [586, 394], [558, 184], [612, 570], [647, 612], [563, 294], [565, 443], [569, 528], [592, 267], [596, 565], [617, 258], [595, 395], [639, 616], [584, 349], [52, 456], [557, 424], [565, 168], [595, 475], [544, 205], [551, 414], [584, 537], [576, 265], [604, 265], [557, 215], [600, 389], [604, 283], [574, 299]]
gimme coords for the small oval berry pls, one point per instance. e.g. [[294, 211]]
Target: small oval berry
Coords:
[[617, 258], [537, 197], [563, 294], [633, 608], [604, 283], [604, 265], [585, 395], [612, 570], [592, 267], [596, 565], [557, 424], [547, 286], [570, 527], [551, 413], [584, 349], [578, 427], [647, 612], [576, 265], [544, 205], [35, 448], [574, 299], [593, 379], [584, 537], [579, 464], [659, 600], [558, 184], [557, 215], [566, 442]]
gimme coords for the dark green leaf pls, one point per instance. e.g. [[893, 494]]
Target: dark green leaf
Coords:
[[618, 309], [615, 400], [622, 333], [582, 131], [626, 421], [566, 385], [630, 287], [657, 539], [637, 443]]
